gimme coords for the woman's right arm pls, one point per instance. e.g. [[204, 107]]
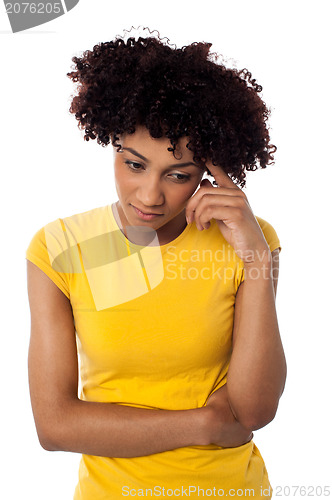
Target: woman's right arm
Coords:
[[66, 423]]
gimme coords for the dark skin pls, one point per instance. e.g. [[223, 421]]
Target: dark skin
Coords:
[[64, 422], [257, 372]]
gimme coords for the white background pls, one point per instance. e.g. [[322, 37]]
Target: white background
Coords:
[[48, 171]]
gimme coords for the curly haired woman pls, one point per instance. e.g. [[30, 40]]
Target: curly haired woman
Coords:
[[166, 297]]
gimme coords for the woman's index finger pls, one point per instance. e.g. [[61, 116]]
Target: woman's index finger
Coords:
[[222, 179]]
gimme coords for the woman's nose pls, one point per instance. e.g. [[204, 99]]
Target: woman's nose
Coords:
[[150, 193]]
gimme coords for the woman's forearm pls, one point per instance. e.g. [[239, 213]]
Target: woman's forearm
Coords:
[[257, 371], [112, 430]]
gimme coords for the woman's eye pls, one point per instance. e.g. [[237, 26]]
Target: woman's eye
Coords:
[[133, 165], [181, 177]]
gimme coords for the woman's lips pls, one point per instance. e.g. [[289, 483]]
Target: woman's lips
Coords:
[[144, 215]]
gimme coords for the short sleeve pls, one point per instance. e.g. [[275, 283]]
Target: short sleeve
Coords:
[[270, 234], [272, 240], [47, 250]]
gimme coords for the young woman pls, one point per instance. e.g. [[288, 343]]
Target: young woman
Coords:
[[166, 296]]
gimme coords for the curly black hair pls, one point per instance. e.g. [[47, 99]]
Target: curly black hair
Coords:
[[173, 92]]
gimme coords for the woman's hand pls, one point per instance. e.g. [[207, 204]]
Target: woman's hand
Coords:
[[228, 205], [224, 430]]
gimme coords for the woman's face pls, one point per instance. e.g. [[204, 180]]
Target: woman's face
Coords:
[[149, 180]]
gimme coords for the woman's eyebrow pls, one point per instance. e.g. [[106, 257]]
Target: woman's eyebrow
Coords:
[[175, 165], [136, 154]]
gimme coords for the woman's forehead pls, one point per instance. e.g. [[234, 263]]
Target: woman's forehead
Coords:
[[142, 142]]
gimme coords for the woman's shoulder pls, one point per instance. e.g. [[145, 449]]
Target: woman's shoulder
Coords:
[[56, 242], [270, 233], [86, 222]]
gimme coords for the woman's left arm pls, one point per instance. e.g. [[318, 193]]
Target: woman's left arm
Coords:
[[257, 371]]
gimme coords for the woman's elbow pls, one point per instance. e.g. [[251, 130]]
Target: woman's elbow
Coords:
[[257, 419], [265, 409], [47, 441], [51, 432]]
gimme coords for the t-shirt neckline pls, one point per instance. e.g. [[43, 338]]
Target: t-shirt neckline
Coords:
[[162, 247]]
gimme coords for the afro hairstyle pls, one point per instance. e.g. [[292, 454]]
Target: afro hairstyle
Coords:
[[174, 93]]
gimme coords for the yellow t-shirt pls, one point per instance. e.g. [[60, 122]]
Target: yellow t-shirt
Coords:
[[154, 330]]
